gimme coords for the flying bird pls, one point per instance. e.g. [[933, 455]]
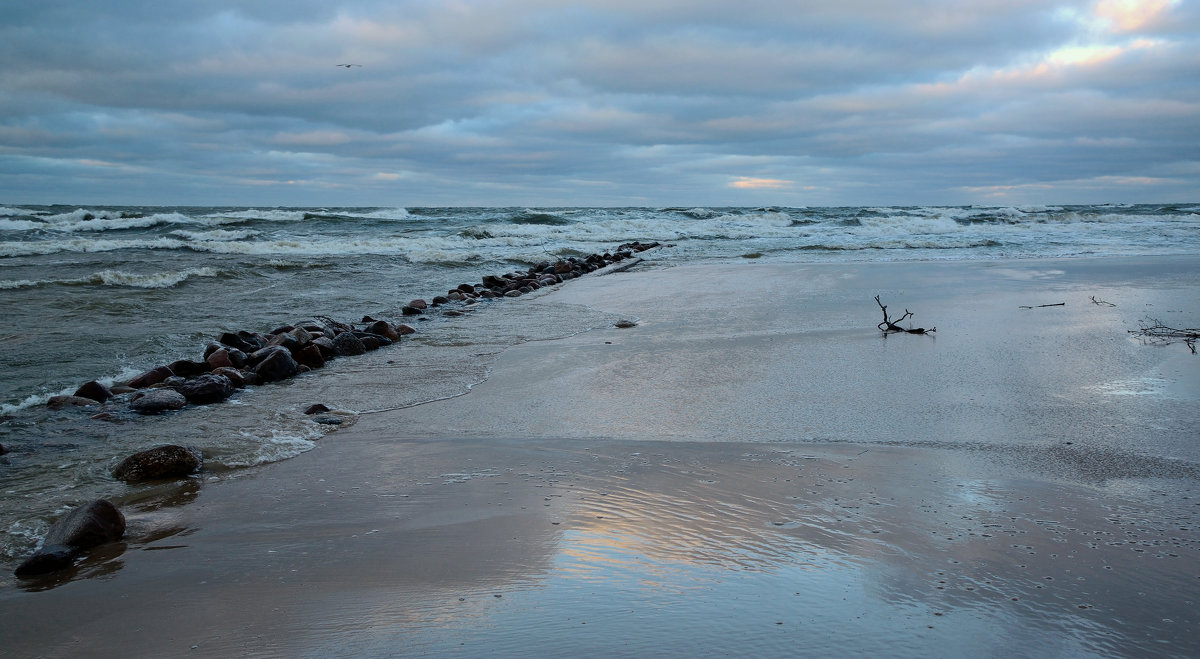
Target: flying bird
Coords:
[[348, 65]]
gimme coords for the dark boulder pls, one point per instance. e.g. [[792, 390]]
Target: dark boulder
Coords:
[[166, 461], [225, 357], [418, 304], [95, 391], [206, 389], [155, 401], [188, 368], [316, 408], [3, 450], [237, 341], [275, 363], [325, 345], [60, 402], [411, 311], [81, 529], [440, 300], [404, 330], [346, 344], [310, 356], [384, 328], [151, 377], [236, 377]]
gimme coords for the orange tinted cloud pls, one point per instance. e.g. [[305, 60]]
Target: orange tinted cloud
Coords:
[[751, 183]]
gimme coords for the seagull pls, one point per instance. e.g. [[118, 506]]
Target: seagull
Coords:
[[348, 65]]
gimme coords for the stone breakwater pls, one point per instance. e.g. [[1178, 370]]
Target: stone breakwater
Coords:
[[235, 360]]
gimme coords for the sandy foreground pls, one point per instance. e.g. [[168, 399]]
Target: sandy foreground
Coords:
[[752, 470]]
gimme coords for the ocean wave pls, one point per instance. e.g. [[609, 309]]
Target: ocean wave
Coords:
[[119, 278], [252, 214], [6, 211], [218, 235], [84, 220], [20, 225], [43, 247], [539, 218]]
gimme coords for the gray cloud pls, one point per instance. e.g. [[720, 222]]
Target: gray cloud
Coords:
[[601, 102]]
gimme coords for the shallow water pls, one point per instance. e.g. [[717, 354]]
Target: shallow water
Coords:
[[105, 293]]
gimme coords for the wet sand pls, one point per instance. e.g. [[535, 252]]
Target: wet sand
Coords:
[[750, 470]]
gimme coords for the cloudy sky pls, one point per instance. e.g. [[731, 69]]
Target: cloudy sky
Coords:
[[600, 102]]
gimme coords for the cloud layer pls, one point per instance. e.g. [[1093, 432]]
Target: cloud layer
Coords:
[[601, 102]]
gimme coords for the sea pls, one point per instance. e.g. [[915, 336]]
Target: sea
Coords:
[[107, 292]]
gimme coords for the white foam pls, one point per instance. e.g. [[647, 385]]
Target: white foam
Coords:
[[267, 214], [82, 220], [153, 280], [20, 225], [219, 235], [84, 245], [6, 211]]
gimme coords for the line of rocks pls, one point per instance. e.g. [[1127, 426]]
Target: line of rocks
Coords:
[[237, 360]]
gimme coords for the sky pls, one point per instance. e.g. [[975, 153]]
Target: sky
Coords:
[[600, 102]]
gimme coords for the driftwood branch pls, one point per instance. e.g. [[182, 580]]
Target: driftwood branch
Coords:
[[1056, 304], [1154, 331], [1102, 303], [889, 326]]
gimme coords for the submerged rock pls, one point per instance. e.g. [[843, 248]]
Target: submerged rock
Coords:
[[166, 461], [59, 402], [81, 529], [155, 401]]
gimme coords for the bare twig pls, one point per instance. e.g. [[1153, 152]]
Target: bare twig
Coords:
[[1102, 303], [1056, 304], [889, 326], [1154, 331]]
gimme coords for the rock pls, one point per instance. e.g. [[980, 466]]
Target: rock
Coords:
[[325, 345], [155, 401], [310, 356], [316, 408], [119, 389], [513, 294], [404, 330], [95, 391], [329, 420], [347, 343], [411, 311], [625, 324], [79, 530], [383, 328], [3, 450], [275, 363], [59, 402], [562, 268], [236, 378], [244, 343], [440, 300], [166, 461], [151, 377], [188, 368], [418, 304], [206, 389]]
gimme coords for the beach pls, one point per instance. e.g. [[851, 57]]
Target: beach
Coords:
[[752, 468]]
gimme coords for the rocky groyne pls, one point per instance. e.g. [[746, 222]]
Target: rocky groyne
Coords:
[[240, 359]]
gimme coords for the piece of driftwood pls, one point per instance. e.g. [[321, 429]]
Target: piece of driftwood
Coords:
[[1102, 303], [889, 326], [1056, 304], [1154, 331]]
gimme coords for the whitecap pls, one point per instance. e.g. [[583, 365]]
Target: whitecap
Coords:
[[218, 235]]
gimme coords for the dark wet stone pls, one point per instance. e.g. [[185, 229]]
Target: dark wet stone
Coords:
[[236, 341], [236, 377], [60, 402], [513, 294], [347, 343], [95, 391], [310, 356], [119, 389], [439, 300], [325, 345], [166, 461], [275, 363], [283, 330], [418, 304], [188, 368], [404, 330], [316, 408], [624, 324], [155, 401], [3, 450], [371, 341], [206, 389], [151, 377], [77, 531], [411, 311], [384, 328], [330, 420], [492, 281]]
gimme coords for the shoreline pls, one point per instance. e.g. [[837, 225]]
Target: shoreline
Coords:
[[751, 467]]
